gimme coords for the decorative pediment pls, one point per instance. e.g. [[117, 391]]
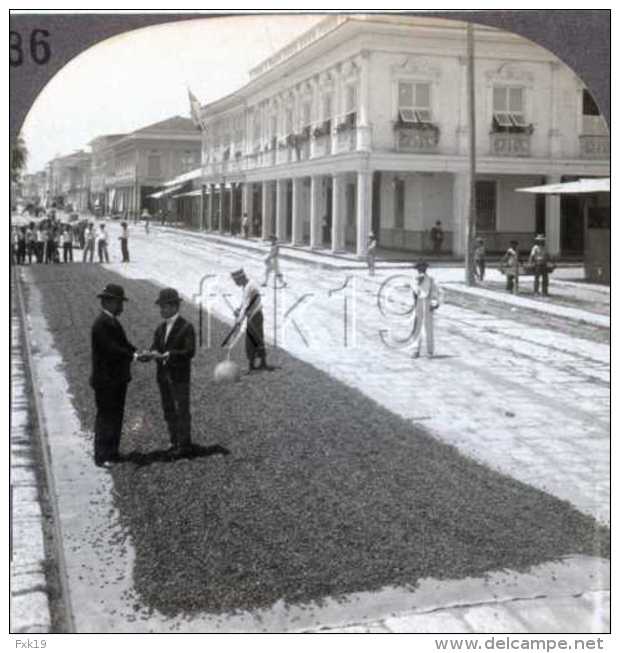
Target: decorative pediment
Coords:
[[417, 66], [349, 69], [509, 72]]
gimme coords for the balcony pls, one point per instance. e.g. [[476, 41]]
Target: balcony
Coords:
[[418, 140], [594, 147], [509, 144], [322, 146], [346, 140]]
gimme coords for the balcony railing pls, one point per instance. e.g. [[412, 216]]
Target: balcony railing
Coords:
[[425, 141], [507, 144], [346, 140], [594, 147]]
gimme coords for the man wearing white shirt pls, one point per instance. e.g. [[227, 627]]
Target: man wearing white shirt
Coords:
[[426, 296], [102, 244], [174, 346], [251, 309]]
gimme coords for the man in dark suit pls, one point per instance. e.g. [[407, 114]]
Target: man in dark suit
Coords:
[[112, 355], [174, 346]]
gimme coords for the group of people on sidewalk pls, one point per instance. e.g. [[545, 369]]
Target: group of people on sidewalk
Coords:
[[47, 240]]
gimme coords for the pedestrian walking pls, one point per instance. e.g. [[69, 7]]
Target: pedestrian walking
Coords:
[[437, 236], [14, 245], [112, 355], [251, 310], [39, 246], [89, 243], [272, 263], [539, 258], [426, 298], [245, 225], [509, 264], [146, 216], [174, 346], [371, 253], [124, 238], [51, 250], [66, 239], [480, 259], [102, 244]]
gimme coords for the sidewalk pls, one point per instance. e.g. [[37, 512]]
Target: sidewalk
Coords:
[[29, 595]]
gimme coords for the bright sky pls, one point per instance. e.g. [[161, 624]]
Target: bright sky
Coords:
[[138, 78]]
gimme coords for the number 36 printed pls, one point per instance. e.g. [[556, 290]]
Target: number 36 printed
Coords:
[[37, 47]]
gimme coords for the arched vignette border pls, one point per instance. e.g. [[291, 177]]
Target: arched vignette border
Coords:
[[580, 38]]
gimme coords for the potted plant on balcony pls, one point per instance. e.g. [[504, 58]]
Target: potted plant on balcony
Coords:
[[324, 129]]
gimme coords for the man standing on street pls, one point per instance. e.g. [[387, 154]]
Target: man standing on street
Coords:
[[124, 238], [426, 297], [112, 355], [510, 265], [272, 263], [437, 237], [251, 310], [102, 245], [174, 346], [539, 257]]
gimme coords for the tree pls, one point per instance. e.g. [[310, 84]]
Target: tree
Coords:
[[19, 157]]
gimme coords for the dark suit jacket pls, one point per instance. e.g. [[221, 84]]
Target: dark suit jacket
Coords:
[[181, 344], [112, 353]]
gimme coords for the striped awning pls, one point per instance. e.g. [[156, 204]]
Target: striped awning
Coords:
[[166, 191], [582, 186]]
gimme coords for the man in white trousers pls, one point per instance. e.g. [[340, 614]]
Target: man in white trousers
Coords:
[[426, 297]]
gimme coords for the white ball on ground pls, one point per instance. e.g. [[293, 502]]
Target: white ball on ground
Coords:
[[227, 372]]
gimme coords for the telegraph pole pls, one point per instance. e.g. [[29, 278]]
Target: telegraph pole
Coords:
[[470, 277]]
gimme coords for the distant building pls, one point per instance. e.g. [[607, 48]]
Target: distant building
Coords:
[[33, 187], [102, 167], [361, 124], [130, 167], [68, 181]]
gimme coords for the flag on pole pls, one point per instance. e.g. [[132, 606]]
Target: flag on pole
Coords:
[[195, 110]]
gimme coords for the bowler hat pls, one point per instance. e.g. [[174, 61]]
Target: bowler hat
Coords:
[[112, 291], [238, 274], [168, 296], [421, 266], [540, 238]]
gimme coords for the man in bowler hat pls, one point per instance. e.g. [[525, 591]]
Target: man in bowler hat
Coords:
[[174, 346], [112, 355]]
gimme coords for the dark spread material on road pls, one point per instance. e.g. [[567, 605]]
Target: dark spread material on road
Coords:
[[323, 492]]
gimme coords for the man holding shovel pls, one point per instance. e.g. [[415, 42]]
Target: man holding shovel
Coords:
[[251, 310]]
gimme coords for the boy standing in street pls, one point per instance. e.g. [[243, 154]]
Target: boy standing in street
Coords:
[[480, 258], [272, 262], [510, 265]]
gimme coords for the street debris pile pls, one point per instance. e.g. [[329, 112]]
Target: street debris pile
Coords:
[[322, 492]]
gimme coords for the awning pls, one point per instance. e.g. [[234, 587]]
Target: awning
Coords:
[[185, 177], [191, 193], [581, 186], [166, 191]]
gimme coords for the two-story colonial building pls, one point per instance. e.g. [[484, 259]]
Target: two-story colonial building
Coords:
[[361, 124], [134, 165]]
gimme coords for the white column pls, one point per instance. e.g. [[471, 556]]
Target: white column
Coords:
[[338, 216], [555, 135], [552, 217], [246, 200], [364, 207], [266, 210], [364, 127], [281, 209], [315, 211], [297, 231], [220, 213], [460, 208]]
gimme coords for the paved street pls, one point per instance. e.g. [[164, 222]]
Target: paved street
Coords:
[[531, 402], [492, 392]]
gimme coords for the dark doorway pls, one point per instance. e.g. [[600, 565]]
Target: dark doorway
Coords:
[[326, 220], [375, 221], [257, 206]]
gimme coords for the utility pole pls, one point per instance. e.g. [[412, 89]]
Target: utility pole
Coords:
[[470, 277]]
